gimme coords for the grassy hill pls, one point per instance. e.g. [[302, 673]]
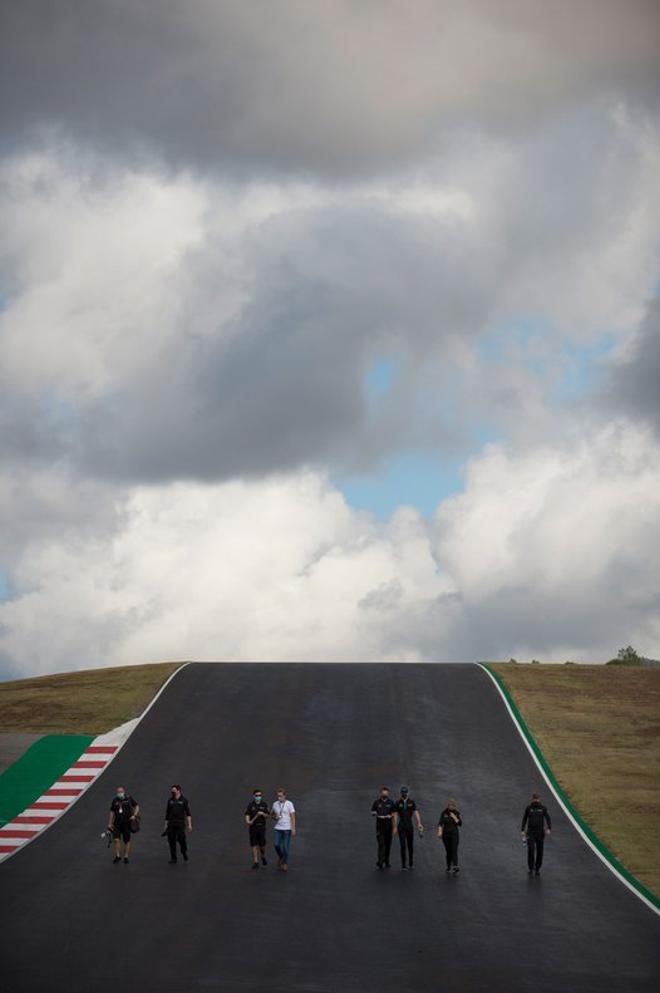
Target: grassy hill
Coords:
[[88, 702], [599, 728]]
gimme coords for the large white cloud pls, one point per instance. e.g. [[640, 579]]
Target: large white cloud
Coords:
[[548, 554]]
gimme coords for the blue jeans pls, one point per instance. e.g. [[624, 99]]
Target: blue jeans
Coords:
[[283, 844]]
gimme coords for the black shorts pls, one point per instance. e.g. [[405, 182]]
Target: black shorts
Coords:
[[258, 833], [122, 830]]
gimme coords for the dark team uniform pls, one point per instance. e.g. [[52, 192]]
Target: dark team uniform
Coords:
[[176, 812], [257, 830], [534, 820], [384, 810], [405, 809], [122, 808], [450, 836]]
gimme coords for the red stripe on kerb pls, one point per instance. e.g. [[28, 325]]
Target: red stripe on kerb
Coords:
[[89, 765], [30, 819], [71, 791], [101, 749], [16, 833], [44, 805], [76, 779], [9, 848]]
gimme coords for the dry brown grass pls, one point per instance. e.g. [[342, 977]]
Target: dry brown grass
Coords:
[[599, 728], [89, 702]]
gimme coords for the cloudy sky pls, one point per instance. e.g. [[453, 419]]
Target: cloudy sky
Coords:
[[329, 330]]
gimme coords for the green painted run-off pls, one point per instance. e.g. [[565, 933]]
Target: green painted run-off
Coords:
[[593, 838], [36, 771]]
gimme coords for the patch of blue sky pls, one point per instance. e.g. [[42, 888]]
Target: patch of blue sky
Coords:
[[413, 479], [6, 589], [582, 366], [380, 376], [570, 370]]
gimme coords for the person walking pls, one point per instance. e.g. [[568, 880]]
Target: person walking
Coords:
[[448, 825], [405, 809], [536, 824], [284, 814], [178, 820], [256, 815], [383, 810], [124, 812]]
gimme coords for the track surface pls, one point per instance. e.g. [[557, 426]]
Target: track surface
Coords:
[[71, 921]]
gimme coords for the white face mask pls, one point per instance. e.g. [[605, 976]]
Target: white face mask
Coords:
[[121, 795]]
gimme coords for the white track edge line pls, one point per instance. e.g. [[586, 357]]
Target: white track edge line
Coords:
[[560, 801], [5, 856]]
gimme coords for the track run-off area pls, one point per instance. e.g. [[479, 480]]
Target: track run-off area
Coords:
[[331, 735]]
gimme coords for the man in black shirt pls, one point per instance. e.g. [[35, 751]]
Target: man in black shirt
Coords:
[[124, 811], [405, 808], [256, 815], [177, 819], [534, 830], [383, 810]]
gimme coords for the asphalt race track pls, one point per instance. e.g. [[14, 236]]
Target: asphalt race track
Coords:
[[332, 734]]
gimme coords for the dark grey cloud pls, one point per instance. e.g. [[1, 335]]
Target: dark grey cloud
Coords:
[[633, 387], [284, 384], [324, 87]]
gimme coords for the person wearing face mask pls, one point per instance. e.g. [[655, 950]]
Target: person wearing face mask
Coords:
[[405, 809], [256, 815], [178, 819], [124, 811], [383, 810]]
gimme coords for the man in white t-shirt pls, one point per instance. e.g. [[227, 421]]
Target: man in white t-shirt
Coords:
[[284, 815]]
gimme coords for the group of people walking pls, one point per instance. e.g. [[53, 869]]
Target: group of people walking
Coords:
[[257, 815], [124, 822], [400, 817]]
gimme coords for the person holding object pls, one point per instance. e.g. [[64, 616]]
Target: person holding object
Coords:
[[383, 810], [124, 811], [178, 820], [256, 815], [284, 814], [448, 825], [536, 824], [404, 810]]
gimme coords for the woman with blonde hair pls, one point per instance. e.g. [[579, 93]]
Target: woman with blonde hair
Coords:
[[448, 825]]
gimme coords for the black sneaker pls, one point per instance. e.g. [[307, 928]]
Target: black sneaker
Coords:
[[172, 862], [379, 865], [537, 872], [404, 868], [185, 856], [255, 865], [263, 861], [115, 860], [125, 861], [448, 869], [456, 870]]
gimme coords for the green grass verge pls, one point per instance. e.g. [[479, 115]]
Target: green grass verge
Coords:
[[598, 732], [36, 771], [89, 702]]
